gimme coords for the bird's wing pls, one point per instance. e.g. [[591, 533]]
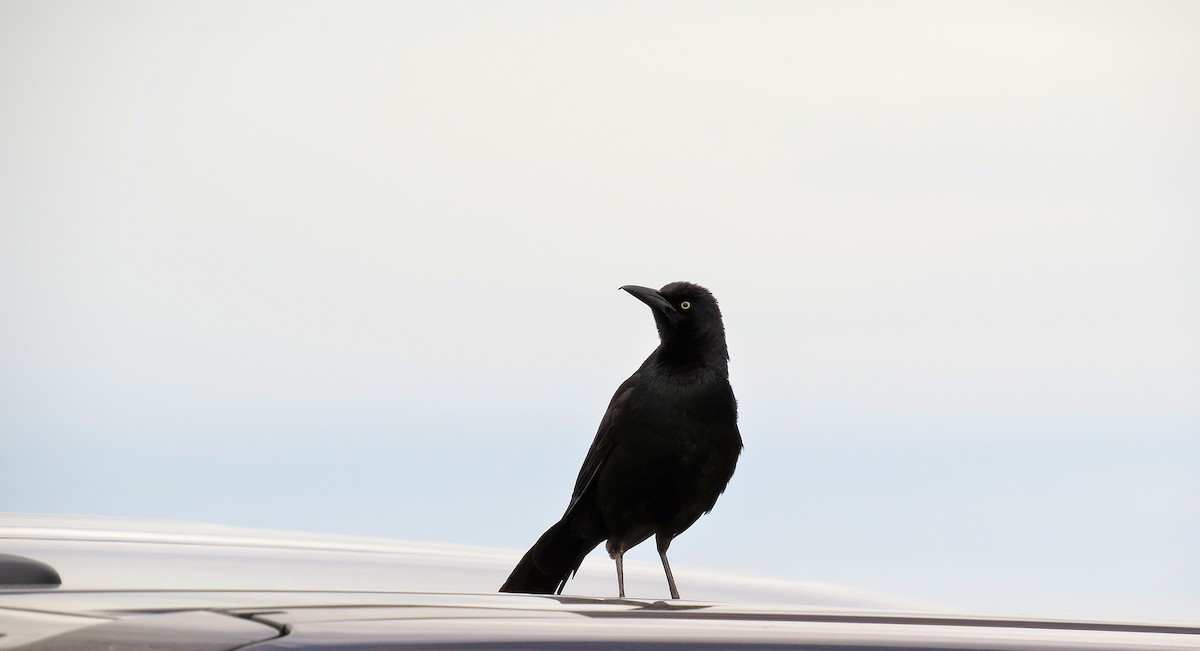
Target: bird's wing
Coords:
[[606, 438]]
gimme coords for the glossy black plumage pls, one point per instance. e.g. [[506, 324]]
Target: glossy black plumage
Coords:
[[665, 449]]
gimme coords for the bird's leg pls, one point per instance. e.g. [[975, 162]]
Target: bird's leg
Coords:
[[617, 553], [670, 578], [663, 543], [620, 574]]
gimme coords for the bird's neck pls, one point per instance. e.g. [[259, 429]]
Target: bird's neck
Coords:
[[709, 353]]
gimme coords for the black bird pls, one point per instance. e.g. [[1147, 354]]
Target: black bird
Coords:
[[665, 449]]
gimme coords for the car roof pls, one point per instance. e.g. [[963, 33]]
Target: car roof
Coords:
[[126, 582], [66, 619], [95, 553]]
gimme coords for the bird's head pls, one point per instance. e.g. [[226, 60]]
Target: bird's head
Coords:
[[687, 317]]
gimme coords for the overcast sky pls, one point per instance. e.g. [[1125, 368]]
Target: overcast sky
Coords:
[[352, 267]]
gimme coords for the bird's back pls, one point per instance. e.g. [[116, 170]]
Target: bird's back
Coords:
[[669, 445]]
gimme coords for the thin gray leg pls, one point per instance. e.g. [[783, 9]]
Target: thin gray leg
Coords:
[[620, 572], [664, 542], [670, 578]]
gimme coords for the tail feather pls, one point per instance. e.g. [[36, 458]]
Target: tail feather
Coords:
[[552, 560]]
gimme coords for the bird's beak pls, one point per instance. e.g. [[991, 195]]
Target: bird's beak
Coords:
[[650, 297]]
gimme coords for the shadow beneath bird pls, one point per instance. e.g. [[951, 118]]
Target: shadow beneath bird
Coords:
[[640, 604]]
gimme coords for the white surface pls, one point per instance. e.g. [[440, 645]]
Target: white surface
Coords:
[[129, 554]]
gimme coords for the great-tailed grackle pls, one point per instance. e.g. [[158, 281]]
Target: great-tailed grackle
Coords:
[[665, 449]]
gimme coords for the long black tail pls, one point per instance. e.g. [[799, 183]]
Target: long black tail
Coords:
[[551, 561]]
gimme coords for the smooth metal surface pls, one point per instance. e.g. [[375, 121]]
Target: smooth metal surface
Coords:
[[133, 554], [190, 587]]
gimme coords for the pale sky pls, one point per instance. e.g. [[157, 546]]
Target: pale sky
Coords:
[[352, 267]]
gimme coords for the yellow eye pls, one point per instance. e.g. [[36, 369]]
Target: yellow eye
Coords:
[[685, 305]]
